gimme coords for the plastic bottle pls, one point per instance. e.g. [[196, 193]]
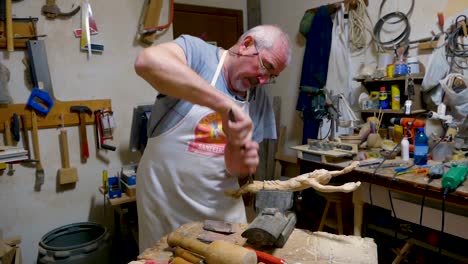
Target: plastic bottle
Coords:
[[421, 147], [395, 97], [383, 98], [405, 149]]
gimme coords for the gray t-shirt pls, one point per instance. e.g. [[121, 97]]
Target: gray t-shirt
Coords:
[[203, 58]]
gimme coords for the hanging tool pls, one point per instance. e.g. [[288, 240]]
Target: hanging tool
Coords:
[[37, 153], [218, 251], [66, 174], [9, 142], [82, 111], [26, 136], [104, 128], [52, 11], [9, 26], [41, 98]]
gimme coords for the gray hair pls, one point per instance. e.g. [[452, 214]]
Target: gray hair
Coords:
[[266, 36]]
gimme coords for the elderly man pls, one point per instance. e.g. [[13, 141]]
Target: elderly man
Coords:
[[195, 150]]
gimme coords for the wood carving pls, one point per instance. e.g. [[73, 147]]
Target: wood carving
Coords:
[[316, 179]]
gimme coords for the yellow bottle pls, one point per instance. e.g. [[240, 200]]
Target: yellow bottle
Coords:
[[395, 97]]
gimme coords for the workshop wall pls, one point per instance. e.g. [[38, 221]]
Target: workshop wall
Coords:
[[288, 16], [110, 75]]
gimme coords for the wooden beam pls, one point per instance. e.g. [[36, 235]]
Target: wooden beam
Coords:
[[53, 120]]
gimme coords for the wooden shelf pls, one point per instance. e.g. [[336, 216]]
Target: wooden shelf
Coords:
[[401, 112], [53, 120], [386, 79], [118, 201]]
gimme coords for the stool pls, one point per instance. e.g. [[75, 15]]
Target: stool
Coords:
[[335, 198]]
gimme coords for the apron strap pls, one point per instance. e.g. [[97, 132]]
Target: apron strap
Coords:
[[218, 69]]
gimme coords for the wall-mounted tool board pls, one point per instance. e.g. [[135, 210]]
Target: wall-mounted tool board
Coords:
[[53, 120]]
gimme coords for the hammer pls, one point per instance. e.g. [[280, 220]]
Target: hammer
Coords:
[[217, 252], [82, 111]]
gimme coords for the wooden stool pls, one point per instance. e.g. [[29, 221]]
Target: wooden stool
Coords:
[[335, 198]]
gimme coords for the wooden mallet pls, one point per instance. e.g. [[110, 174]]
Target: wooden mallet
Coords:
[[217, 252], [66, 174]]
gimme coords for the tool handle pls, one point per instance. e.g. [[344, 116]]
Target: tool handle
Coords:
[[9, 26], [176, 239], [8, 139], [179, 260], [267, 258], [64, 148], [187, 255], [35, 140], [84, 137]]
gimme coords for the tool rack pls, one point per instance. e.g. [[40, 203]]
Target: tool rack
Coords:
[[53, 120]]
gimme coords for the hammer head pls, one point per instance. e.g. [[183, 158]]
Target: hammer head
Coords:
[[81, 109]]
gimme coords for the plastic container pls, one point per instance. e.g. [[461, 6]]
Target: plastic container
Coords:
[[401, 69], [395, 97], [413, 65], [405, 149], [383, 98], [78, 243], [421, 147]]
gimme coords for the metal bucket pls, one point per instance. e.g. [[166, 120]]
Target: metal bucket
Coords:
[[77, 243]]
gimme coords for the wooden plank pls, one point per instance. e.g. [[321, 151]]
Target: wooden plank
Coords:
[[24, 31], [53, 120]]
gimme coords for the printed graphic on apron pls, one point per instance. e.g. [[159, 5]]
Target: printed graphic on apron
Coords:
[[209, 138]]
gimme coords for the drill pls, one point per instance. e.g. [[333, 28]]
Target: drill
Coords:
[[454, 177], [410, 125]]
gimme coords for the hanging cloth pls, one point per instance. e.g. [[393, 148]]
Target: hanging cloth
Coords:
[[311, 99], [339, 65]]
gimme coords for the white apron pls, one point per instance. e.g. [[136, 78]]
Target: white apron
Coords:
[[189, 184]]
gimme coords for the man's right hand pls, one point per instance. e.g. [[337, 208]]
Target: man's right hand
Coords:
[[237, 126]]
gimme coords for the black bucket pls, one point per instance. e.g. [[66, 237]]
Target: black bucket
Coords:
[[76, 244]]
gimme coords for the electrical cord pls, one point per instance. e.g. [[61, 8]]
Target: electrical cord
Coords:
[[403, 37], [408, 14], [456, 49]]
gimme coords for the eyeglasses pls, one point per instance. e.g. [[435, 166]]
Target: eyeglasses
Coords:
[[265, 70]]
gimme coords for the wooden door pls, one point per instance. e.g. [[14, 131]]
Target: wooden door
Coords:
[[220, 26]]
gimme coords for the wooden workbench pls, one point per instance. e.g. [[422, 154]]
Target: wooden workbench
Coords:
[[302, 246], [411, 184]]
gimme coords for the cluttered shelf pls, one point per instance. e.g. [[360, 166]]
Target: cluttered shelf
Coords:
[[389, 79], [389, 111]]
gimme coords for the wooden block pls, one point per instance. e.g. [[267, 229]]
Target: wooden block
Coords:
[[67, 175], [130, 190]]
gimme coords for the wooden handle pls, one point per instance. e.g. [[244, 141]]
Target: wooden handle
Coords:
[[187, 255], [176, 239], [9, 26], [64, 149], [8, 139], [218, 251], [179, 260], [84, 137], [35, 139]]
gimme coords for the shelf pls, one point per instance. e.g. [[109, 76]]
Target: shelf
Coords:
[[401, 112], [386, 79]]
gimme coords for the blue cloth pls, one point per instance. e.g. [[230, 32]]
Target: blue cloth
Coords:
[[311, 100]]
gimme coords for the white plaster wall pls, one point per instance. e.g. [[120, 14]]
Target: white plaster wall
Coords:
[[111, 75]]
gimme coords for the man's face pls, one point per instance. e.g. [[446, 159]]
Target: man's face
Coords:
[[256, 67]]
